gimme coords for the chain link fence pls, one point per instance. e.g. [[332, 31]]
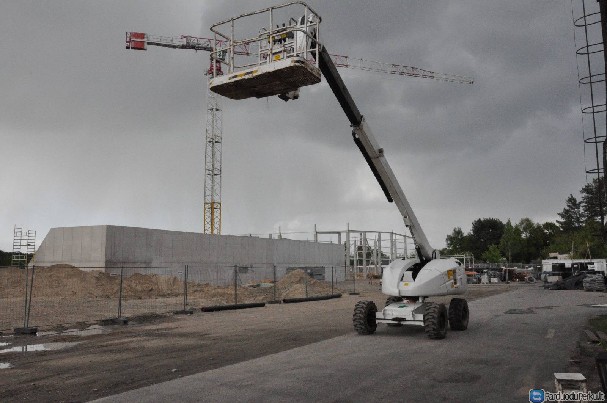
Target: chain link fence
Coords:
[[60, 296]]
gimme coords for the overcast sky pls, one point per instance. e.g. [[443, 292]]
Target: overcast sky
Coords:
[[92, 133]]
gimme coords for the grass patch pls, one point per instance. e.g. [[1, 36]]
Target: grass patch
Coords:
[[598, 323]]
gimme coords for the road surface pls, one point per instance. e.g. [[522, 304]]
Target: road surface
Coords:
[[515, 342]]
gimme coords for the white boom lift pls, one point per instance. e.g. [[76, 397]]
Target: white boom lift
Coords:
[[290, 56]]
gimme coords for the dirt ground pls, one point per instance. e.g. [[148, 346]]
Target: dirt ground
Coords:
[[159, 348], [64, 295]]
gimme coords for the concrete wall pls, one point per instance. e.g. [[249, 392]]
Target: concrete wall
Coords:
[[211, 258], [78, 246]]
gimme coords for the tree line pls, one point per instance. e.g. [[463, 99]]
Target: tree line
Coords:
[[578, 232], [5, 258]]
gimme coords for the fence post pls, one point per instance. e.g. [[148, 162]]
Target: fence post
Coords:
[[29, 304], [235, 284], [332, 269], [354, 290], [306, 281], [120, 293], [25, 300], [274, 291], [185, 287]]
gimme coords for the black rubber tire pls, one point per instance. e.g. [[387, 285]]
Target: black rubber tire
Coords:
[[389, 301], [459, 314], [435, 321], [364, 317]]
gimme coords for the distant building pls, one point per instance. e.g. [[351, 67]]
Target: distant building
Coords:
[[557, 255], [567, 267]]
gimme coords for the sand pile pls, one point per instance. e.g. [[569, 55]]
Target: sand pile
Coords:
[[63, 281], [293, 285]]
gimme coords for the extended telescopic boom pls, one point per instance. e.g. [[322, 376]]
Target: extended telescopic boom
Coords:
[[374, 155]]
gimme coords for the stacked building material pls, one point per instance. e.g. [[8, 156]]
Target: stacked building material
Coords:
[[594, 282]]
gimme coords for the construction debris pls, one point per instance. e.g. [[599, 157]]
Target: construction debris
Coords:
[[594, 282]]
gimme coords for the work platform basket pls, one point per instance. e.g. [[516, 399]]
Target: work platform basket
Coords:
[[269, 52]]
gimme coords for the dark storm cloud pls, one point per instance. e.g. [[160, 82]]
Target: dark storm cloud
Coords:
[[95, 134]]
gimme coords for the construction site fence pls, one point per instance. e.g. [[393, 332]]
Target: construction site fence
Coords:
[[62, 297]]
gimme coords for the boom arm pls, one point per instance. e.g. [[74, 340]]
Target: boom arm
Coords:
[[374, 155]]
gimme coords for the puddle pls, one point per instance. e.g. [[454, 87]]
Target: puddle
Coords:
[[520, 311], [38, 347], [50, 333], [89, 331], [5, 365], [545, 307]]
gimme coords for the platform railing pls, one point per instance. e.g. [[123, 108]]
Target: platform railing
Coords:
[[297, 37]]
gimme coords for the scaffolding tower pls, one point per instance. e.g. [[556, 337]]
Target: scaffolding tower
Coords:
[[24, 245], [590, 28]]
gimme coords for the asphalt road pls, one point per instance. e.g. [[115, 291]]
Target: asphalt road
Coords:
[[515, 342]]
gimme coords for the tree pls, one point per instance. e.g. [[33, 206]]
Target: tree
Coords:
[[5, 258], [492, 254], [536, 243], [484, 233], [511, 243], [456, 242], [590, 200], [572, 218], [551, 229]]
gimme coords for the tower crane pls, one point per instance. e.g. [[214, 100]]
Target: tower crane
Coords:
[[293, 56], [214, 122], [214, 129]]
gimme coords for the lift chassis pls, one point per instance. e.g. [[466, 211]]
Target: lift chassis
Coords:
[[281, 60]]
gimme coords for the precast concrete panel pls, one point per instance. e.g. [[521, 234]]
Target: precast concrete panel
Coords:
[[139, 237], [211, 257], [214, 256], [193, 254], [256, 252], [85, 244], [167, 245], [240, 249], [199, 249], [79, 246], [179, 247], [226, 248], [281, 252], [206, 248], [56, 246]]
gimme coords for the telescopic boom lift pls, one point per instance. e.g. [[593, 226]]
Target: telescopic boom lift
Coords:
[[287, 57]]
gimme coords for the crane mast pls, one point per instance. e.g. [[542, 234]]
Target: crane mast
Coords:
[[214, 122]]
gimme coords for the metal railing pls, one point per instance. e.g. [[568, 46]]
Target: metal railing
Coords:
[[273, 41]]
